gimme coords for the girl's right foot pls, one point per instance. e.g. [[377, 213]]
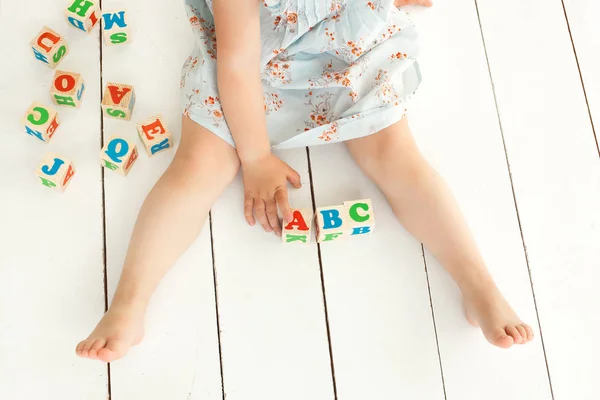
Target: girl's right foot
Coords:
[[114, 335]]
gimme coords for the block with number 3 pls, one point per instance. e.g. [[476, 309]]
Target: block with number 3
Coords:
[[119, 155]]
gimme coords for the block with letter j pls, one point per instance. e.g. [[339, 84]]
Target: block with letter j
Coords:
[[55, 172]]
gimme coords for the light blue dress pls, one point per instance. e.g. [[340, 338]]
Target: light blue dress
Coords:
[[332, 70]]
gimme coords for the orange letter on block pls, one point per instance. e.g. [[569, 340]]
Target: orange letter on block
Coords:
[[297, 221]]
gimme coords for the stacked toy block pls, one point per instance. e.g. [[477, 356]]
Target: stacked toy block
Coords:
[[116, 28], [55, 172]]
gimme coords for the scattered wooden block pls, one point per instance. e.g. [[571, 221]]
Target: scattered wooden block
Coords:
[[55, 172], [331, 223], [360, 217], [41, 122], [155, 136], [119, 155], [49, 47], [118, 101], [299, 230], [67, 89], [116, 28], [83, 14]]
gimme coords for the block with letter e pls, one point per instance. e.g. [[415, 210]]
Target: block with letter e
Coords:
[[155, 136]]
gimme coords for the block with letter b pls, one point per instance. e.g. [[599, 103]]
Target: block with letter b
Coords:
[[49, 47], [118, 101], [116, 29], [360, 217], [118, 155], [55, 172], [41, 122], [155, 136], [299, 230], [331, 223], [67, 89], [83, 14]]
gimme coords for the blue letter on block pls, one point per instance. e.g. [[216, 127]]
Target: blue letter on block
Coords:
[[76, 23], [361, 230], [34, 133], [80, 93], [114, 18], [159, 147], [331, 219], [55, 167], [39, 55]]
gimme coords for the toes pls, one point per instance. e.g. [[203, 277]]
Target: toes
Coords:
[[83, 346], [523, 333], [529, 332], [501, 339], [79, 347], [98, 344], [113, 350], [512, 331]]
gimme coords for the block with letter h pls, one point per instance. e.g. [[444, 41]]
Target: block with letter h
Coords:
[[118, 101], [55, 172], [67, 89], [118, 155], [116, 28], [298, 231], [351, 219], [41, 122], [49, 47], [155, 136], [83, 15]]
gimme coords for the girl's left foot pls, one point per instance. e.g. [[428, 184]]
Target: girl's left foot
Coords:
[[488, 309]]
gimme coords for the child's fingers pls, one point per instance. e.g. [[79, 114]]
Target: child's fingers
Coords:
[[248, 206], [293, 177], [261, 214], [281, 197], [272, 216]]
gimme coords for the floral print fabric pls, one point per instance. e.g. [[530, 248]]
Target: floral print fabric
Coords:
[[332, 70]]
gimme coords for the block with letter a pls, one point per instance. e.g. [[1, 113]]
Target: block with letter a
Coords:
[[299, 230], [118, 101]]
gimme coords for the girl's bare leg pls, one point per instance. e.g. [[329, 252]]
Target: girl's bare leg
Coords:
[[425, 206], [169, 221]]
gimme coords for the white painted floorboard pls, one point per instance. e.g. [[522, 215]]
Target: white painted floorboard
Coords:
[[456, 125], [556, 174], [51, 288], [179, 357]]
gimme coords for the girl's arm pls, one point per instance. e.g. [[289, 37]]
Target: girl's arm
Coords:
[[237, 25]]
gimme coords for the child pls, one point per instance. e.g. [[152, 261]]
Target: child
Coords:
[[294, 73]]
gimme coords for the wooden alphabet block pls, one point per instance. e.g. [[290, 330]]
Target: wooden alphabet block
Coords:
[[116, 29], [55, 172], [331, 223], [49, 47], [118, 101], [155, 136], [299, 230], [83, 14], [41, 122], [119, 155], [67, 89], [360, 217]]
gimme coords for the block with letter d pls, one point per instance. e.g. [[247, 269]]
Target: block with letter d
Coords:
[[83, 15], [55, 172], [49, 47], [155, 136], [116, 29], [331, 223], [360, 217], [118, 101], [67, 89], [298, 231], [41, 122], [118, 155]]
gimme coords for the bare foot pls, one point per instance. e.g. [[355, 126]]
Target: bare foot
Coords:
[[114, 335], [489, 310], [400, 3]]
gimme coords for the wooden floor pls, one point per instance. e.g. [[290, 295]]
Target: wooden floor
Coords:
[[511, 91]]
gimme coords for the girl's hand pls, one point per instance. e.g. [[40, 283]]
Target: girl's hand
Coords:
[[400, 3], [265, 184]]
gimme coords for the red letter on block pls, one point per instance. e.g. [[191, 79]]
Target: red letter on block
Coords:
[[47, 35], [297, 221], [155, 128], [116, 94]]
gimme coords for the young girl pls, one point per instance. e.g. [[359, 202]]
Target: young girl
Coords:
[[294, 73]]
